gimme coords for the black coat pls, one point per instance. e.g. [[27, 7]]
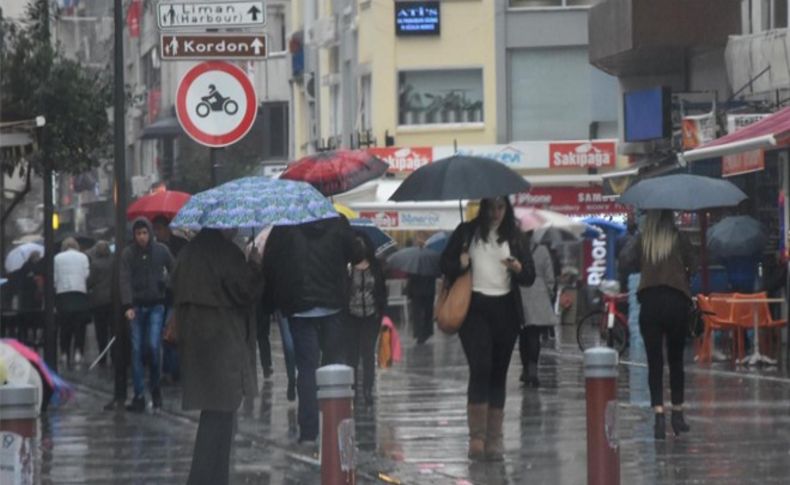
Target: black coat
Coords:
[[306, 266], [450, 264]]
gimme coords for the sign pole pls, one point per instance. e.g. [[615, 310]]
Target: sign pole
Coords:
[[213, 161]]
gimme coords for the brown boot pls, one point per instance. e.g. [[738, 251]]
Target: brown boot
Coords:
[[494, 448], [476, 415]]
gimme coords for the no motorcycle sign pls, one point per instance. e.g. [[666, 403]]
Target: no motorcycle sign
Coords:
[[216, 103]]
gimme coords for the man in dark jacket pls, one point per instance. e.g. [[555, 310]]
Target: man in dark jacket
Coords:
[[306, 269], [145, 266]]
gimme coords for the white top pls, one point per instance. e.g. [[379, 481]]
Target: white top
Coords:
[[489, 276], [71, 271]]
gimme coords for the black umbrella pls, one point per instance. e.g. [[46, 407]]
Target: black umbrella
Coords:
[[460, 177], [415, 260], [683, 192], [736, 236]]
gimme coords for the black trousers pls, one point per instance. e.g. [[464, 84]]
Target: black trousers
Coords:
[[211, 457], [664, 317], [422, 315], [488, 336], [361, 342], [264, 321], [529, 344], [102, 323]]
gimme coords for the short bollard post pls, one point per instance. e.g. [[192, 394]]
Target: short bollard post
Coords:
[[338, 447], [18, 431], [603, 451]]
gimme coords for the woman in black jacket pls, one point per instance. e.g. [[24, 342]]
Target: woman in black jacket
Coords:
[[367, 299], [492, 247]]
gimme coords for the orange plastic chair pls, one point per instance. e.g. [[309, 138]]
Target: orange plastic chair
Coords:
[[765, 321], [717, 316]]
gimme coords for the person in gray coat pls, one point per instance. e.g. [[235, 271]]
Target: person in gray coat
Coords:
[[538, 312], [214, 292], [100, 292]]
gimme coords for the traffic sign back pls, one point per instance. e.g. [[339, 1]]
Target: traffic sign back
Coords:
[[201, 15]]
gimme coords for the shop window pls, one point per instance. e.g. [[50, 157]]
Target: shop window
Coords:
[[440, 96], [550, 3], [275, 130]]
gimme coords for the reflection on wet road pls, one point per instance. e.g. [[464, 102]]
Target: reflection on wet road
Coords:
[[416, 430]]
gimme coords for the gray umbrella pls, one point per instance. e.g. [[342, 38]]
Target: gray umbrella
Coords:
[[414, 260], [736, 236], [683, 192]]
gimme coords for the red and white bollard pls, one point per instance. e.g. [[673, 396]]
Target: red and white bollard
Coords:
[[338, 446], [603, 451], [18, 432]]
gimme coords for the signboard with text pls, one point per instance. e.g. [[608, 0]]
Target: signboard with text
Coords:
[[569, 200], [417, 18], [518, 155], [744, 162], [212, 46], [204, 15]]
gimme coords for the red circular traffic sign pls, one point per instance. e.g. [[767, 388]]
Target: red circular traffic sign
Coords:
[[216, 103]]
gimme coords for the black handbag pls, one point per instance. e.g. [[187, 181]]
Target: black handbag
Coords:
[[696, 322]]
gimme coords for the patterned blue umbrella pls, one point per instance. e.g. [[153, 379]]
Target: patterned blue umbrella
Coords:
[[381, 240], [254, 202]]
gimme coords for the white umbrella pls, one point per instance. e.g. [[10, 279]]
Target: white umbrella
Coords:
[[19, 255], [533, 219]]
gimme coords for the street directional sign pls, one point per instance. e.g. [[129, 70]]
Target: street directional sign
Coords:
[[202, 15], [213, 46]]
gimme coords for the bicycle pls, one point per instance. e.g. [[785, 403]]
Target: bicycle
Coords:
[[605, 326]]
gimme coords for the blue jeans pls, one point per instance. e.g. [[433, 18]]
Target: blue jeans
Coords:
[[316, 340], [146, 330]]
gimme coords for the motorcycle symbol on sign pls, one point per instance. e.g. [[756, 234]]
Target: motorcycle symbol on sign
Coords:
[[214, 101]]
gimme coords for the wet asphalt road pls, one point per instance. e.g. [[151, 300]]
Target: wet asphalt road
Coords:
[[416, 431]]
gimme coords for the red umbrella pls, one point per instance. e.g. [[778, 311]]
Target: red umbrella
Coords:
[[166, 203], [336, 171]]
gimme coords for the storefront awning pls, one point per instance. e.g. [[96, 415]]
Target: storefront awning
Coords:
[[769, 132], [162, 128]]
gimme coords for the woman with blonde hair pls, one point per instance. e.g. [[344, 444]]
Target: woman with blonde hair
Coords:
[[666, 263]]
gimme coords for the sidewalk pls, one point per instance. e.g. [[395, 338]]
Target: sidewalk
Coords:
[[416, 432]]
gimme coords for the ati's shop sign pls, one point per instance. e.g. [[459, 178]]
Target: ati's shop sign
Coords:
[[582, 155]]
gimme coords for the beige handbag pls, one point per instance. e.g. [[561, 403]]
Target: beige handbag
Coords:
[[453, 303]]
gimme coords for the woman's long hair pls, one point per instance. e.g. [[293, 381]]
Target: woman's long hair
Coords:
[[659, 235], [507, 230], [363, 248]]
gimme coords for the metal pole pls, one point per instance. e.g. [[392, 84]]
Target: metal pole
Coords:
[[119, 193], [213, 162], [337, 430], [50, 337], [703, 259], [603, 450]]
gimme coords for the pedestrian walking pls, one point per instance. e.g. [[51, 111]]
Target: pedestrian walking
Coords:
[[306, 267], [72, 269], [174, 242], [666, 262], [491, 247], [367, 301], [145, 268], [421, 290], [215, 292], [100, 291], [539, 313]]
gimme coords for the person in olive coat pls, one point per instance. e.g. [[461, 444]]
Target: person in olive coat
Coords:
[[215, 291]]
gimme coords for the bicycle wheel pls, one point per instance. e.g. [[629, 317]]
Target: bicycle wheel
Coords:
[[619, 335], [591, 330]]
